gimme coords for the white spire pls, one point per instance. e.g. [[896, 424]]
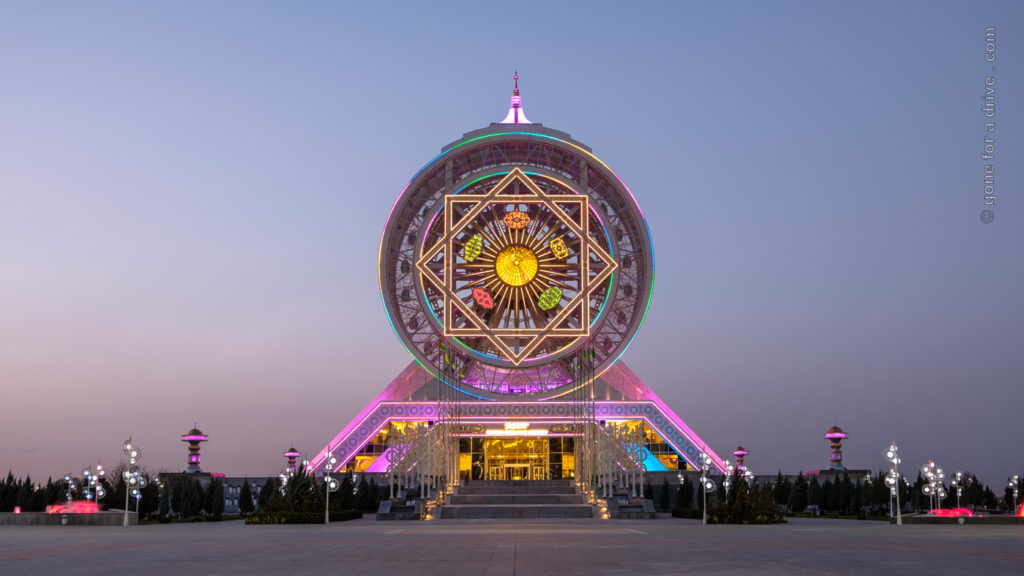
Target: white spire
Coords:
[[515, 112]]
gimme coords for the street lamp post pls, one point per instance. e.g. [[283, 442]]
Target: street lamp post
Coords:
[[935, 490], [71, 486], [131, 477], [707, 485], [93, 483], [727, 481], [1014, 485], [958, 483], [893, 478], [331, 483]]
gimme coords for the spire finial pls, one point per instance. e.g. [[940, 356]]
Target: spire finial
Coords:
[[515, 112]]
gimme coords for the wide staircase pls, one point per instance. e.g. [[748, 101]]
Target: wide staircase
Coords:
[[517, 499]]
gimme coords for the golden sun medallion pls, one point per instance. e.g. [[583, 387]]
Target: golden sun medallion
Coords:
[[516, 265]]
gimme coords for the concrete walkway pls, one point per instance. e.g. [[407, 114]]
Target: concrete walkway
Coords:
[[502, 547]]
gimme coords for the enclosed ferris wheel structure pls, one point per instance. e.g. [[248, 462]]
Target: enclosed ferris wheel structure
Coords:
[[516, 268]]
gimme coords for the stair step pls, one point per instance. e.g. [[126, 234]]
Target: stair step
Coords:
[[519, 511], [518, 499], [518, 487]]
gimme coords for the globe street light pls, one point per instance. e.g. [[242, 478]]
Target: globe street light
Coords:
[[935, 490], [332, 484], [727, 482], [892, 480], [93, 483], [707, 485], [133, 480], [958, 483], [71, 486], [1015, 486]]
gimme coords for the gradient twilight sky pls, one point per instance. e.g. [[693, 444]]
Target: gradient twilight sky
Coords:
[[192, 196]]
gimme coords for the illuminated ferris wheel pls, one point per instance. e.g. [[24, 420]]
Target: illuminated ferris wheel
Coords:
[[517, 249]]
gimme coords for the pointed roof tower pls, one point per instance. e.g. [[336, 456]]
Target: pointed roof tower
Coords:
[[515, 112]]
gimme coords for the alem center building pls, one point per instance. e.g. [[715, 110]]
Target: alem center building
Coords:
[[516, 268]]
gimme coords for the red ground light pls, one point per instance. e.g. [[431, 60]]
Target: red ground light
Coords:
[[952, 512], [76, 507]]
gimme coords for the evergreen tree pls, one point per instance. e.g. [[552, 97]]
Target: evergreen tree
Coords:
[[268, 489], [845, 496], [150, 500], [798, 495], [363, 496], [766, 506], [178, 489], [210, 498], [23, 494], [375, 493], [856, 499], [741, 510], [165, 502], [217, 504], [296, 491], [829, 496], [192, 498], [782, 489], [814, 493], [8, 490], [53, 493], [684, 498], [734, 487], [918, 498], [974, 493], [664, 500], [880, 492], [904, 492], [271, 498], [346, 492], [990, 498], [245, 504]]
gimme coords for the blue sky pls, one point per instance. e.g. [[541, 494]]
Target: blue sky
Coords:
[[192, 195]]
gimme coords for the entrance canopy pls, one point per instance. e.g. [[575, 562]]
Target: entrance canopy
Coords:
[[620, 397]]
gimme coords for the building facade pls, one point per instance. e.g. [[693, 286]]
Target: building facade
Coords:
[[516, 268]]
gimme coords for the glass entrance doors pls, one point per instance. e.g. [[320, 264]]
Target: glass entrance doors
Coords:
[[516, 459]]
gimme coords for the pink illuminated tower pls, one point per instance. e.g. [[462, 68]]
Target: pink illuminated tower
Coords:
[[835, 436], [194, 437], [740, 453], [292, 454]]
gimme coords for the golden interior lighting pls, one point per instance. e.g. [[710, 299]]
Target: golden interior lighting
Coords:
[[516, 265]]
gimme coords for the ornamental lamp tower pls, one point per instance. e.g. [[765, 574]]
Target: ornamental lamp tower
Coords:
[[292, 455], [835, 437], [740, 453], [194, 437]]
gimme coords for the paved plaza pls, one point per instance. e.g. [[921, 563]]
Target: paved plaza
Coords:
[[488, 547]]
